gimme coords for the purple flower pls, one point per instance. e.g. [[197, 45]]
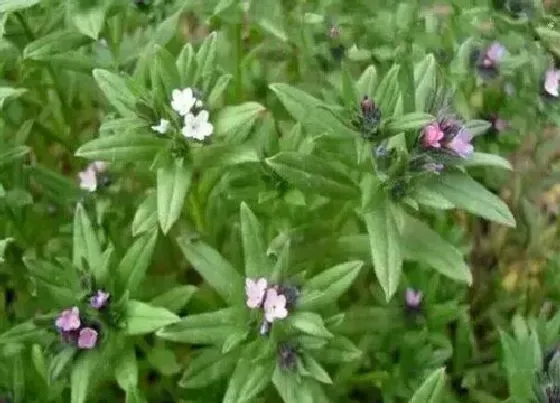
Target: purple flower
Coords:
[[551, 81], [494, 54], [87, 338], [274, 305], [413, 298], [99, 300], [461, 143], [68, 320], [432, 135], [255, 290]]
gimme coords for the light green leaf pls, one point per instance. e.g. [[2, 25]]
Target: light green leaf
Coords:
[[186, 65], [308, 323], [315, 369], [356, 54], [421, 243], [425, 82], [175, 298], [173, 182], [367, 82], [312, 174], [59, 362], [232, 118], [426, 196], [208, 366], [206, 58], [88, 19], [12, 154], [163, 73], [338, 350], [205, 328], [53, 44], [290, 388], [8, 6], [126, 369], [384, 243], [20, 333], [410, 121], [217, 155], [215, 96], [83, 370], [388, 92], [430, 390], [133, 266], [484, 159], [465, 193], [217, 271], [143, 318], [3, 245], [128, 147], [85, 242], [145, 218], [118, 90], [328, 286], [10, 93], [256, 261]]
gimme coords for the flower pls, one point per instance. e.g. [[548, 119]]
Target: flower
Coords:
[[274, 305], [413, 298], [255, 290], [551, 81], [99, 300], [68, 320], [182, 101], [87, 338], [461, 143], [197, 127], [432, 136], [494, 54], [162, 127], [88, 177]]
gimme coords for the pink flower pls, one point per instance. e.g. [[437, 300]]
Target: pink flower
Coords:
[[495, 52], [461, 144], [255, 290], [274, 305], [87, 338], [551, 80], [99, 300], [88, 177], [68, 320], [413, 298], [432, 136]]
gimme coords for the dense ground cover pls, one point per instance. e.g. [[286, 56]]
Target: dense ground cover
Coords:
[[279, 200]]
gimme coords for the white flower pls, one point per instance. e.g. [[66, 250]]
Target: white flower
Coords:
[[551, 82], [197, 127], [274, 305], [162, 127], [182, 101], [255, 290], [88, 179]]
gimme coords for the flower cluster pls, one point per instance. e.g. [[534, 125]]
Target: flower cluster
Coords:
[[487, 62], [272, 299], [368, 119], [195, 119], [90, 177], [448, 134], [71, 324]]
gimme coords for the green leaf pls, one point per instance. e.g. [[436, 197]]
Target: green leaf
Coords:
[[484, 159], [367, 82], [133, 266], [217, 155], [465, 193], [144, 318], [430, 390], [163, 74], [327, 287], [205, 328], [477, 127], [339, 350], [232, 118], [384, 243], [59, 362], [145, 218], [310, 111], [175, 299], [410, 121], [426, 196], [53, 44], [218, 90], [425, 82], [312, 174], [128, 147], [290, 388], [173, 182], [23, 332], [248, 379], [12, 154], [8, 6], [3, 245], [388, 92], [7, 93], [421, 243], [82, 371], [118, 91], [88, 19], [208, 366], [85, 242], [256, 261], [126, 369], [315, 369], [309, 323], [217, 271], [206, 58], [186, 65]]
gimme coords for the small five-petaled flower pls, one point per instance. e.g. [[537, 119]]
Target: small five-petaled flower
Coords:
[[89, 176], [260, 295]]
